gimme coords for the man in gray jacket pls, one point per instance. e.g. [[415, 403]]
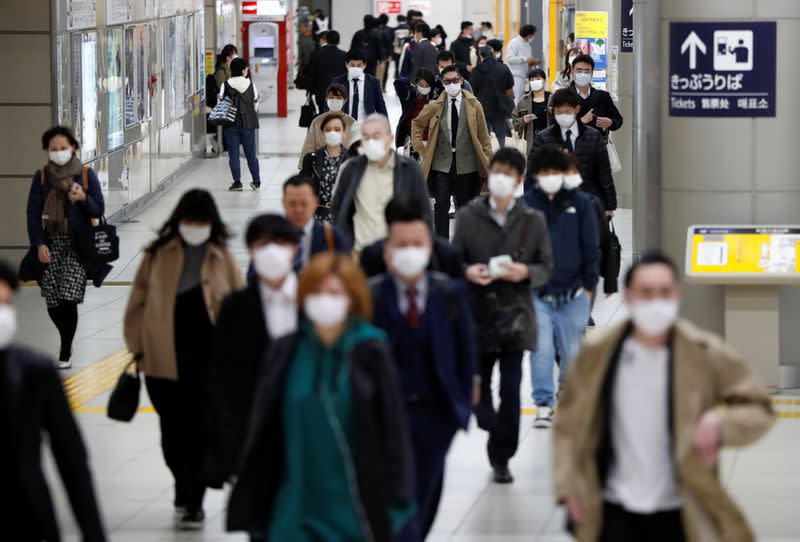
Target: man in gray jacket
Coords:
[[506, 249], [368, 182]]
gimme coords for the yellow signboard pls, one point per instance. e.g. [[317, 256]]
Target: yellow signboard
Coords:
[[591, 24], [759, 252], [209, 61]]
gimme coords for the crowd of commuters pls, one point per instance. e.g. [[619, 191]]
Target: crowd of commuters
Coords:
[[326, 386]]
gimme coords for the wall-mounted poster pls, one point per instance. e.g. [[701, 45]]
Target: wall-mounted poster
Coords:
[[137, 54], [118, 11], [591, 37], [169, 70], [88, 93], [81, 14], [114, 88]]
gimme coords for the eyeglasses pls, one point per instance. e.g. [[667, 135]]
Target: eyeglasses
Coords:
[[451, 81]]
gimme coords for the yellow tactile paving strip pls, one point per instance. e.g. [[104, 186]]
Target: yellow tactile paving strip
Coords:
[[97, 379]]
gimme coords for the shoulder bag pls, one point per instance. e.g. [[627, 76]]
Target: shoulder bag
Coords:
[[308, 113], [224, 113], [613, 157], [124, 400]]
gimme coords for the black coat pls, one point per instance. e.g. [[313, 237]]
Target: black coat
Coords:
[[444, 259], [407, 180], [381, 448], [241, 339], [461, 48], [491, 79], [603, 106], [370, 42], [326, 63], [423, 55], [36, 403], [590, 149]]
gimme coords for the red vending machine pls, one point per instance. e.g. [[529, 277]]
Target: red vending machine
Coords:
[[267, 46]]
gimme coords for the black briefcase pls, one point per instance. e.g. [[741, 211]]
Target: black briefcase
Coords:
[[124, 400], [611, 260]]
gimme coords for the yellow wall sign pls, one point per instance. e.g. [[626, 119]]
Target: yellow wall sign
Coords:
[[209, 61], [743, 251], [591, 24]]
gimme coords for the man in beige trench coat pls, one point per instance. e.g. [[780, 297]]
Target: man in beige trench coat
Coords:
[[646, 409]]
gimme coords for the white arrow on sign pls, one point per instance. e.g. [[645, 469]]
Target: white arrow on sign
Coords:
[[693, 43]]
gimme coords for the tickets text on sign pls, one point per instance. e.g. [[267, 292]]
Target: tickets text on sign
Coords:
[[389, 7]]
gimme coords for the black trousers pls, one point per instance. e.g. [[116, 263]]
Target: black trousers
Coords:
[[181, 404], [502, 425], [463, 187], [619, 525]]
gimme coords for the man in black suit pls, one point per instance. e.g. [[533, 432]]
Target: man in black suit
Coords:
[[424, 53], [444, 257], [597, 108], [32, 401], [249, 321], [370, 41], [327, 62], [364, 93]]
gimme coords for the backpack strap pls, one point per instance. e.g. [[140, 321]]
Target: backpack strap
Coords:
[[329, 239], [85, 179]]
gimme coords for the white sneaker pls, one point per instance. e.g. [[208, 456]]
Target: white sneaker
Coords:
[[544, 417], [64, 364]]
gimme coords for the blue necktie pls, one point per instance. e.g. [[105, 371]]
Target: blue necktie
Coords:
[[298, 258], [568, 143], [354, 103]]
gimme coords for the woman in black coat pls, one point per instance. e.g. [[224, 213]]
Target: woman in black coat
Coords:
[[64, 198], [323, 164]]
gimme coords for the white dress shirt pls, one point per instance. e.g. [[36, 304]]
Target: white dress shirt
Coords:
[[642, 478], [450, 117], [361, 111], [280, 307], [499, 217], [421, 286]]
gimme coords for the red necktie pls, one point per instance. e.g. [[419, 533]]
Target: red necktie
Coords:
[[412, 315]]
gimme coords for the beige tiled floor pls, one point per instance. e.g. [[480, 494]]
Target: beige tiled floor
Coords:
[[135, 486]]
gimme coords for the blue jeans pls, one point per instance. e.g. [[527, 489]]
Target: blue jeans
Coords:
[[560, 330], [245, 137]]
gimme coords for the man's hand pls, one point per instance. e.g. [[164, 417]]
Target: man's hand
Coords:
[[708, 438], [469, 68], [604, 122], [531, 61], [530, 117], [575, 509], [610, 214], [478, 273], [515, 272], [588, 117]]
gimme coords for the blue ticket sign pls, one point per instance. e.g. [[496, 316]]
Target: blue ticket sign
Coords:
[[722, 69], [626, 31]]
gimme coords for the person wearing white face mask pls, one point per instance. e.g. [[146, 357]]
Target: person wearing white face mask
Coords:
[[597, 109], [322, 165], [64, 197], [33, 403], [507, 253], [336, 96], [659, 398], [455, 159], [364, 91], [325, 413], [563, 304], [169, 325], [413, 99], [564, 77], [586, 143], [428, 320], [368, 182], [532, 114]]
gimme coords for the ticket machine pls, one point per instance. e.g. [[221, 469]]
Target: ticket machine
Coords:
[[265, 44]]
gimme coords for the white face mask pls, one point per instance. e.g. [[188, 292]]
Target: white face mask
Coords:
[[550, 184], [355, 73], [195, 235], [501, 186], [654, 317], [410, 262], [374, 149], [334, 139], [453, 89], [498, 55], [565, 120], [583, 79], [572, 181], [335, 104], [327, 310], [572, 59], [8, 325], [537, 85], [424, 91], [61, 157], [437, 41], [273, 261]]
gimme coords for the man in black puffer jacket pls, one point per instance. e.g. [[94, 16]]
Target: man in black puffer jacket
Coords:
[[587, 144]]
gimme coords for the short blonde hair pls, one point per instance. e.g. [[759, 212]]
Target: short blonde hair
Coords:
[[322, 266]]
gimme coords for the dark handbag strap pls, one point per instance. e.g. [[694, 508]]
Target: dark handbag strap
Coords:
[[523, 237], [331, 242]]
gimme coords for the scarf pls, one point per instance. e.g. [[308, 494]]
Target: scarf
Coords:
[[61, 179]]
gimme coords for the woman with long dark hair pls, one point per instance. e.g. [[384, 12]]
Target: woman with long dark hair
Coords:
[[64, 198], [564, 77], [185, 274]]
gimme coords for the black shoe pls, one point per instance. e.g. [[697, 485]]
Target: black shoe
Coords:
[[192, 520], [502, 475], [591, 322], [255, 186], [235, 187]]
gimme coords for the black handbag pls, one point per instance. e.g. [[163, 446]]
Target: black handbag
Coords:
[[611, 261], [100, 243], [308, 113], [124, 400]]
